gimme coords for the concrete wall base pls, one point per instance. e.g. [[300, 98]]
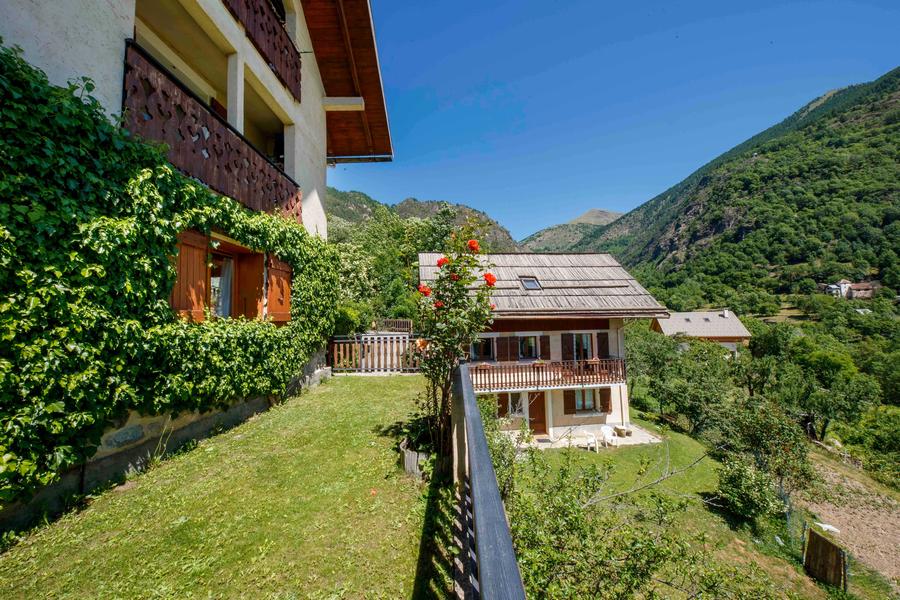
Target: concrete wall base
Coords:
[[131, 447]]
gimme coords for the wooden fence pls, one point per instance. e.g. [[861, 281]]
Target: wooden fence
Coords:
[[824, 560], [373, 353], [395, 325]]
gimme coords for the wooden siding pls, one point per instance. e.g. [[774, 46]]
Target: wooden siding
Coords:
[[547, 324], [200, 143]]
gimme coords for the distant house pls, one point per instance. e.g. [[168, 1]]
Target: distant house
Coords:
[[555, 354], [722, 326], [864, 290]]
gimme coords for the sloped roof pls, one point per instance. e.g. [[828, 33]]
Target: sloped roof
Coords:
[[712, 324], [570, 285]]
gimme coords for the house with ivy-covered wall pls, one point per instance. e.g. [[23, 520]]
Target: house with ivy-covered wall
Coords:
[[162, 230]]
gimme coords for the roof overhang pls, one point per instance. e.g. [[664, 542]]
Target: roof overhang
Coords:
[[649, 313], [343, 40]]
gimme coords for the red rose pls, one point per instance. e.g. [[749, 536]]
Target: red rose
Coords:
[[473, 246], [490, 279], [454, 277], [424, 290], [443, 261], [438, 304]]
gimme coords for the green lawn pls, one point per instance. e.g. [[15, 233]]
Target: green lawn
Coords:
[[305, 500]]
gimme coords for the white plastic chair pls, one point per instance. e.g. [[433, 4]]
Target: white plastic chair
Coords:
[[609, 436], [592, 442]]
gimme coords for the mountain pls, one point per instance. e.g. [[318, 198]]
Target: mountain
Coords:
[[597, 216], [568, 235], [344, 209], [812, 199]]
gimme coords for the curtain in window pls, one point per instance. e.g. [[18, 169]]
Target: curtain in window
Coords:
[[223, 306]]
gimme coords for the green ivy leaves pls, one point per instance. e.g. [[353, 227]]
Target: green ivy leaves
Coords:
[[89, 220]]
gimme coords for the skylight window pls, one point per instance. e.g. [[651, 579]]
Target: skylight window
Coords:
[[530, 283]]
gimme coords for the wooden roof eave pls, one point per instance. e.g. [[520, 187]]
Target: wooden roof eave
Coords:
[[649, 313]]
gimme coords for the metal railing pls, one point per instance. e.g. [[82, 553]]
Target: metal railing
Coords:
[[494, 572], [542, 375]]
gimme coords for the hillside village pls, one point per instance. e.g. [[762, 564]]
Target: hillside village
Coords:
[[222, 376]]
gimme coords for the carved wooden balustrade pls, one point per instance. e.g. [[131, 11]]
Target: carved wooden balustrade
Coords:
[[202, 144], [542, 375], [262, 26]]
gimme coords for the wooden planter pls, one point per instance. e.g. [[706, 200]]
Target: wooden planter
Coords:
[[413, 461]]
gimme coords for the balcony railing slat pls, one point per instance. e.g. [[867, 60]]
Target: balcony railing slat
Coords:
[[160, 108], [503, 376]]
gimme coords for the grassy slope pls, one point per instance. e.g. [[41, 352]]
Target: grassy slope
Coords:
[[733, 544], [305, 499]]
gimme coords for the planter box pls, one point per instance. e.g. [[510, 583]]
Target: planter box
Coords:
[[413, 461]]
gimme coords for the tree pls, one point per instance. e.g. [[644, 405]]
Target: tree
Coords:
[[452, 312]]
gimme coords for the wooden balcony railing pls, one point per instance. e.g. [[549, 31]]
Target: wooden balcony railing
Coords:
[[490, 569], [265, 30], [510, 376], [158, 107]]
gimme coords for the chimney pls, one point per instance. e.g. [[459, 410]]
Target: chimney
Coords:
[[725, 313]]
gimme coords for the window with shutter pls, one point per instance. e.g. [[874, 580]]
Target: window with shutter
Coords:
[[191, 291], [545, 347], [569, 402], [602, 344], [568, 346], [605, 400], [279, 291], [248, 293], [507, 348], [502, 404]]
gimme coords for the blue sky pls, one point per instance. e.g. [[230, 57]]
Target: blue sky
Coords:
[[536, 111]]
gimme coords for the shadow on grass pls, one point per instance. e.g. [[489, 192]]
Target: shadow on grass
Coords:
[[437, 545]]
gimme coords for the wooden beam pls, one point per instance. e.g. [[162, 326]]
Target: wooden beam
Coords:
[[344, 103], [345, 31]]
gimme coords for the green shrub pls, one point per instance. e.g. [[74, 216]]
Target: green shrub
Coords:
[[745, 490], [89, 220], [352, 317]]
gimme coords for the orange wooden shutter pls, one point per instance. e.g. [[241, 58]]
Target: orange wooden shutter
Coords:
[[191, 290], [279, 291], [605, 400], [569, 402], [248, 289]]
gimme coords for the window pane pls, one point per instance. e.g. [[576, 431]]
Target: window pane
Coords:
[[582, 346], [483, 349], [220, 282], [530, 283], [528, 347], [579, 400], [589, 400]]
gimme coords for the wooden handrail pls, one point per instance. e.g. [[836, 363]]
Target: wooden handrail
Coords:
[[508, 376]]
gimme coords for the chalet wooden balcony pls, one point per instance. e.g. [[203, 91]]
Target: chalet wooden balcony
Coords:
[[543, 375], [266, 32], [158, 107]]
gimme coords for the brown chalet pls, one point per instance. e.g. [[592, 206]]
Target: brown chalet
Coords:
[[555, 353]]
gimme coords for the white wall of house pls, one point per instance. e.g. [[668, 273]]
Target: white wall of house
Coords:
[[68, 40], [560, 424]]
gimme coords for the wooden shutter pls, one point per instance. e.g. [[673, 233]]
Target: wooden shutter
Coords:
[[248, 286], [279, 291], [605, 399], [602, 344], [569, 402], [502, 405], [507, 348], [545, 347], [191, 291], [568, 346]]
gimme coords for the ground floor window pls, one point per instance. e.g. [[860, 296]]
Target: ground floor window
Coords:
[[221, 278], [584, 400], [517, 403]]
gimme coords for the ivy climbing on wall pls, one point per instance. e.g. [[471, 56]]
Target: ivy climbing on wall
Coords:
[[89, 219]]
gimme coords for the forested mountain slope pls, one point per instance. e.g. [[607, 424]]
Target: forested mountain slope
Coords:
[[814, 198], [347, 208]]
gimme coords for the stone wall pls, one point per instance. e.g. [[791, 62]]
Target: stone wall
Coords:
[[131, 445]]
